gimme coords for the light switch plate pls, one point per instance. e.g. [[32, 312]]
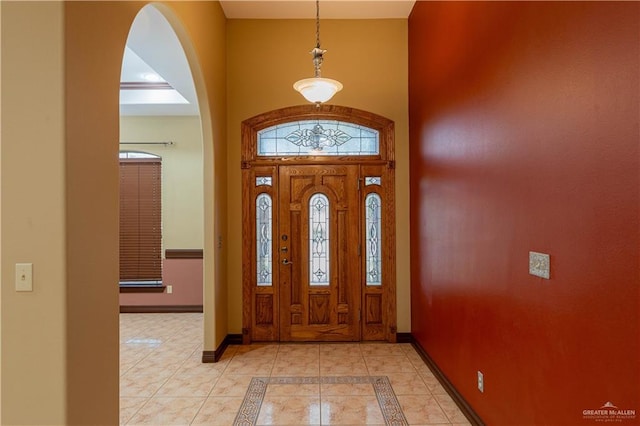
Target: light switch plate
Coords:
[[24, 276], [539, 264]]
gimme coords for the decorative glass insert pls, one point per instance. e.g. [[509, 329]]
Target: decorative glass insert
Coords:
[[263, 180], [373, 239], [372, 180], [264, 239], [318, 137], [319, 240]]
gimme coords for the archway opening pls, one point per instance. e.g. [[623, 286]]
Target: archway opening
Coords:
[[160, 114]]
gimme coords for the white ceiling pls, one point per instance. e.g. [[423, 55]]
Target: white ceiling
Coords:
[[153, 48]]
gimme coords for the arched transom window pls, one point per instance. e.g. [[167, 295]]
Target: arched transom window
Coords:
[[318, 137]]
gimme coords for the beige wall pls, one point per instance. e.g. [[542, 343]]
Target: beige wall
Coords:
[[60, 76], [33, 213], [266, 57], [1, 280], [204, 24], [60, 127], [182, 178]]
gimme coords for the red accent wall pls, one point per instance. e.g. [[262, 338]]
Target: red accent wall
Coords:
[[524, 137]]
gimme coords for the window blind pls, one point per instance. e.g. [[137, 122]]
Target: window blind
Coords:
[[140, 220]]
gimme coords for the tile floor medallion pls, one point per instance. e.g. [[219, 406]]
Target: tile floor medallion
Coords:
[[163, 381], [250, 407]]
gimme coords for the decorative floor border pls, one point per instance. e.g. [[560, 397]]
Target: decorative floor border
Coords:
[[250, 407]]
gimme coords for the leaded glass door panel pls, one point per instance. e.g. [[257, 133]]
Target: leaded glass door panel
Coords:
[[318, 260]]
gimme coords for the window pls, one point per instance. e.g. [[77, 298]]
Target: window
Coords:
[[318, 137], [372, 180], [319, 240], [140, 220], [373, 205], [264, 240], [264, 180], [133, 154]]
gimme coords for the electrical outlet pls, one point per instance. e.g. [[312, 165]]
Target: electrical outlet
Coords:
[[539, 264], [169, 289], [480, 381]]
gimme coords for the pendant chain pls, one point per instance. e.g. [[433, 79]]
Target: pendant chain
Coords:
[[318, 24]]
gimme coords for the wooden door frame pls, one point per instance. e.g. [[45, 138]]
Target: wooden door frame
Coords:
[[267, 166]]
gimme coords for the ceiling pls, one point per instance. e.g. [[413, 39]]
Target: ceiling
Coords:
[[156, 79], [155, 70], [305, 9]]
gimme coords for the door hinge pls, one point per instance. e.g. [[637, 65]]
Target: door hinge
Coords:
[[359, 183], [359, 315], [359, 250]]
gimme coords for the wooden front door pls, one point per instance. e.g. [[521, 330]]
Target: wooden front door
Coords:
[[318, 237], [318, 226]]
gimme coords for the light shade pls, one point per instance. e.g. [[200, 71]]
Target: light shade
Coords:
[[317, 89]]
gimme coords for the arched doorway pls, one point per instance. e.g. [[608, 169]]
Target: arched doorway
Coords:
[[182, 111], [318, 226], [159, 114]]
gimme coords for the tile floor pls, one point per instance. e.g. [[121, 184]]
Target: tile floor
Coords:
[[164, 382]]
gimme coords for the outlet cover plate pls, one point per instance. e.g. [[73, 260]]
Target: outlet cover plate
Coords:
[[539, 264]]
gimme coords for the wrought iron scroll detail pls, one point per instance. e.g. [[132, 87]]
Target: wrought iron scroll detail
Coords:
[[319, 240], [318, 137], [264, 180], [373, 205], [264, 274]]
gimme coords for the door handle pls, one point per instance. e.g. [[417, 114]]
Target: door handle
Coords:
[[284, 249], [286, 262]]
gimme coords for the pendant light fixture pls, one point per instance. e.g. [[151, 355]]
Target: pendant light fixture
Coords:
[[317, 89]]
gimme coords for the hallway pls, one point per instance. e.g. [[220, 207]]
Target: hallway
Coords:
[[163, 381]]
